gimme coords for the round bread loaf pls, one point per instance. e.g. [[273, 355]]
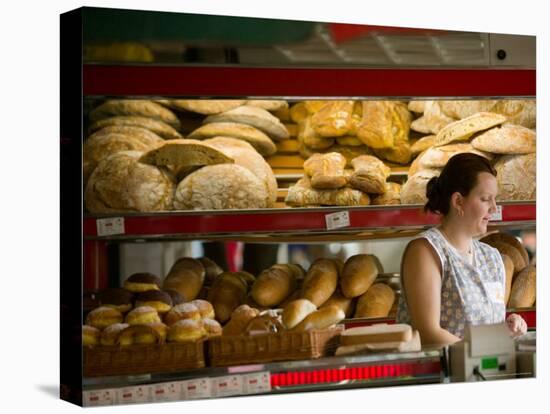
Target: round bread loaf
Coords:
[[160, 128], [510, 239], [157, 299], [117, 298], [206, 106], [142, 282], [358, 275], [205, 308], [516, 177], [524, 288], [186, 330], [376, 302], [142, 315], [296, 311], [90, 335], [182, 311], [273, 285], [109, 336], [321, 319], [320, 281], [134, 107], [103, 316], [120, 183]]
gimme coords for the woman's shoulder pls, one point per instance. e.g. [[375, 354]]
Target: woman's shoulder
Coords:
[[487, 249]]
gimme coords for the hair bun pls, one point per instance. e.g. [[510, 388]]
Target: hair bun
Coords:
[[433, 194]]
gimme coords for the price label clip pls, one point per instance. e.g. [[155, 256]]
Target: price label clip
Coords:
[[337, 220]]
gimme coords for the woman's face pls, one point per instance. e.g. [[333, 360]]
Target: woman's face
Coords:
[[480, 203]]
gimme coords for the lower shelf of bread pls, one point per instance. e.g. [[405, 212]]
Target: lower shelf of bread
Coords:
[[326, 373]]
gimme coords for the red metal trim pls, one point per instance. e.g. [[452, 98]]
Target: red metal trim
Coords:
[[286, 220], [95, 265], [530, 317], [195, 81]]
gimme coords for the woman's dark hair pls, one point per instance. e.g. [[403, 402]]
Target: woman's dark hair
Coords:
[[460, 174]]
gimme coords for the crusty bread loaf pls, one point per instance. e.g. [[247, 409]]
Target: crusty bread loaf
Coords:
[[422, 144], [301, 194], [463, 129], [508, 139], [416, 106], [339, 300], [349, 152], [240, 317], [184, 153], [320, 282], [296, 311], [186, 277], [120, 183], [400, 152], [223, 186], [271, 105], [375, 129], [321, 319], [369, 174], [524, 288], [162, 129], [509, 239], [414, 189], [134, 107], [205, 106], [246, 156], [273, 286], [312, 139], [298, 112], [437, 157], [227, 293], [376, 302], [260, 141], [333, 119], [257, 117], [509, 271], [391, 195], [516, 177], [432, 120], [326, 170], [212, 270], [358, 275]]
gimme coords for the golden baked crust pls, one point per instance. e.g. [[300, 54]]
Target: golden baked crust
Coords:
[[109, 336], [186, 330], [121, 183], [103, 316], [182, 311], [271, 105], [312, 139], [432, 120], [369, 174], [422, 144], [508, 139], [463, 129], [205, 106], [257, 117], [302, 194], [162, 129], [376, 302], [142, 315], [437, 157], [392, 195], [517, 177], [333, 119], [414, 189], [134, 107], [90, 335], [326, 170]]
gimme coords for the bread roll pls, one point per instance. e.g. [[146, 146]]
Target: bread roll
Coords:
[[247, 277], [142, 315], [321, 319], [312, 139], [186, 330], [271, 105], [176, 297], [359, 274], [157, 299], [134, 107], [223, 186], [391, 195], [369, 175], [239, 319], [463, 129], [142, 282], [140, 334], [508, 139], [296, 311], [517, 111], [292, 297], [376, 128], [263, 324], [160, 128], [109, 336], [516, 177], [416, 106], [256, 117], [414, 189], [182, 311], [326, 170], [120, 299], [102, 317], [298, 112], [260, 141], [376, 302], [206, 106], [337, 299], [320, 282], [228, 292], [333, 119], [273, 286], [90, 335], [187, 277], [205, 308], [212, 327], [432, 119], [509, 271], [437, 157], [422, 144], [212, 270], [302, 194], [524, 288], [511, 240]]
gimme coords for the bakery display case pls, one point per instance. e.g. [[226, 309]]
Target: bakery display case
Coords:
[[175, 188]]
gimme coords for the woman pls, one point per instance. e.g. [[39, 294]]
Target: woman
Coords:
[[449, 279]]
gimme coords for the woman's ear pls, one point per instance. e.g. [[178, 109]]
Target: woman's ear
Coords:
[[457, 203]]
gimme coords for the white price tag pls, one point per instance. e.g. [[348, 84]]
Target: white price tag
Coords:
[[497, 215], [258, 382], [166, 391], [98, 397], [196, 388], [110, 226], [337, 220], [130, 395], [225, 386]]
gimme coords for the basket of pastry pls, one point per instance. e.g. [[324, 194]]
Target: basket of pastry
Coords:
[[136, 332], [297, 332]]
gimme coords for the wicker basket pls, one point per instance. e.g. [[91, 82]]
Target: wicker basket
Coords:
[[142, 359], [281, 346]]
